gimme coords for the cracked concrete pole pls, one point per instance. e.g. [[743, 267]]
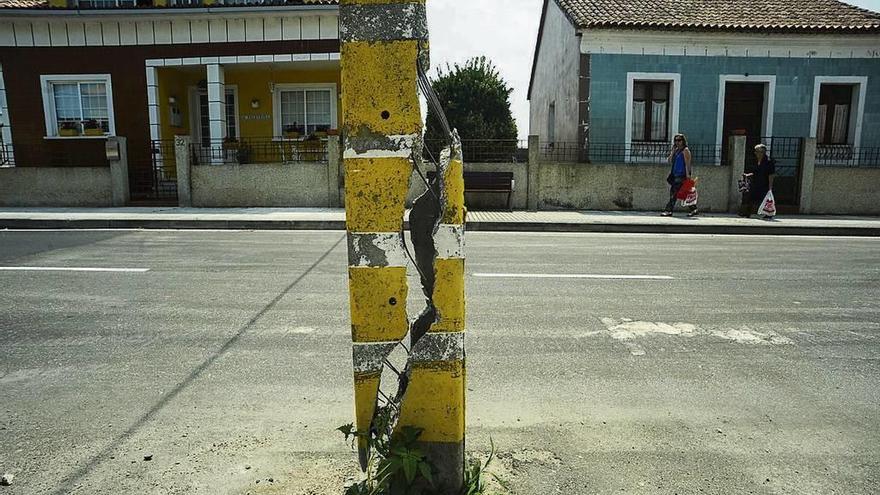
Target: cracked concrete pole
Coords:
[[381, 42]]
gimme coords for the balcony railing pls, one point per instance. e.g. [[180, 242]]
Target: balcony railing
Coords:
[[626, 153], [847, 156], [261, 150]]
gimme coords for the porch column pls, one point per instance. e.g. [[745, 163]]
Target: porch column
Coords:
[[216, 111], [808, 169], [737, 157], [153, 103]]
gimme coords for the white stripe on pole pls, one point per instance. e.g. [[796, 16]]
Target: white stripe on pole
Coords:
[[574, 275], [70, 269]]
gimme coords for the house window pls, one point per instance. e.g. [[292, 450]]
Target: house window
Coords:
[[78, 105], [551, 123], [304, 109], [834, 125], [650, 111]]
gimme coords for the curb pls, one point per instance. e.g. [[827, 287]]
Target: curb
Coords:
[[474, 226], [674, 229], [36, 224]]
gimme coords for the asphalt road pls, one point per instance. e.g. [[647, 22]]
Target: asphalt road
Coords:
[[746, 365]]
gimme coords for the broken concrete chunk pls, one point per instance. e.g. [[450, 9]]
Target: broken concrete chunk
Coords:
[[6, 479]]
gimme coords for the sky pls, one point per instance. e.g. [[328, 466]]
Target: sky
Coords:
[[505, 31]]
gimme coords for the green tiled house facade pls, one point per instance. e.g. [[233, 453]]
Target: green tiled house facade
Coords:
[[700, 86], [618, 83]]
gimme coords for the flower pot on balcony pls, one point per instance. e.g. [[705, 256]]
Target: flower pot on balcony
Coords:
[[94, 132], [68, 132]]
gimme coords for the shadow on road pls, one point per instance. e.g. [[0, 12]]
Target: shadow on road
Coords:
[[67, 483]]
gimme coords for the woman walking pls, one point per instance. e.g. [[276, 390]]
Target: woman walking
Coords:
[[760, 182], [680, 159]]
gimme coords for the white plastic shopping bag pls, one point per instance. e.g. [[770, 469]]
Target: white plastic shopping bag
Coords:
[[691, 199], [768, 206]]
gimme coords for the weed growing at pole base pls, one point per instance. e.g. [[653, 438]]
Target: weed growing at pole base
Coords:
[[396, 466]]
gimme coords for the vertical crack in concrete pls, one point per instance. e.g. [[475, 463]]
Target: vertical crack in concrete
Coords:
[[424, 221]]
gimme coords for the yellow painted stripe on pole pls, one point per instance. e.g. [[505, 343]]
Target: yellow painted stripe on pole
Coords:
[[375, 193], [366, 389], [449, 295], [454, 179], [385, 100], [435, 401], [378, 303]]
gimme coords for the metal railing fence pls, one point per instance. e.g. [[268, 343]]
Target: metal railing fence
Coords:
[[626, 153], [260, 150], [484, 150], [847, 156]]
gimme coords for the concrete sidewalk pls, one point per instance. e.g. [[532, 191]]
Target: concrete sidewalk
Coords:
[[521, 221]]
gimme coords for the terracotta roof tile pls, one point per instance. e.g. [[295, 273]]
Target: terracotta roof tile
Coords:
[[22, 4], [735, 15]]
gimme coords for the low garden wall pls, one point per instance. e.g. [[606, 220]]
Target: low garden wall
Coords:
[[55, 186], [300, 184], [846, 191], [581, 186]]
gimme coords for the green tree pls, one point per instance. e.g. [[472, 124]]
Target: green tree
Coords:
[[476, 101]]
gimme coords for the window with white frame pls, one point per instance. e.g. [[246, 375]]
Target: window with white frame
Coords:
[[304, 109], [651, 115], [838, 116], [835, 119], [78, 105], [650, 111]]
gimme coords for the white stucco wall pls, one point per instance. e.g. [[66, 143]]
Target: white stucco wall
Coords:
[[556, 78]]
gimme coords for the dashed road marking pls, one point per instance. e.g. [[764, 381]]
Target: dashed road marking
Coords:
[[574, 275]]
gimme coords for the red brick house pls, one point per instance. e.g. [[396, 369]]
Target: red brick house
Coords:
[[73, 72]]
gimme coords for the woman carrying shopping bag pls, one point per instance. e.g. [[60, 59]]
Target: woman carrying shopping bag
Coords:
[[760, 186], [680, 159]]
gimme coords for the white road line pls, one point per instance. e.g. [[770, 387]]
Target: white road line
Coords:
[[70, 269], [574, 275]]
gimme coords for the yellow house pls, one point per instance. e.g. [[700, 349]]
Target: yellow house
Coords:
[[272, 111]]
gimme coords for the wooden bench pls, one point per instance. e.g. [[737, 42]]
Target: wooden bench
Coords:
[[494, 182]]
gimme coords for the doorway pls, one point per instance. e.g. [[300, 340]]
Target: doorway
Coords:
[[744, 108], [200, 122], [744, 112]]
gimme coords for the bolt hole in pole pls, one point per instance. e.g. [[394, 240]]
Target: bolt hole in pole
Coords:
[[386, 114], [392, 301]]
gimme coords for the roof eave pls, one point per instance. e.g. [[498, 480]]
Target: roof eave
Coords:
[[538, 42], [44, 11], [733, 28]]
